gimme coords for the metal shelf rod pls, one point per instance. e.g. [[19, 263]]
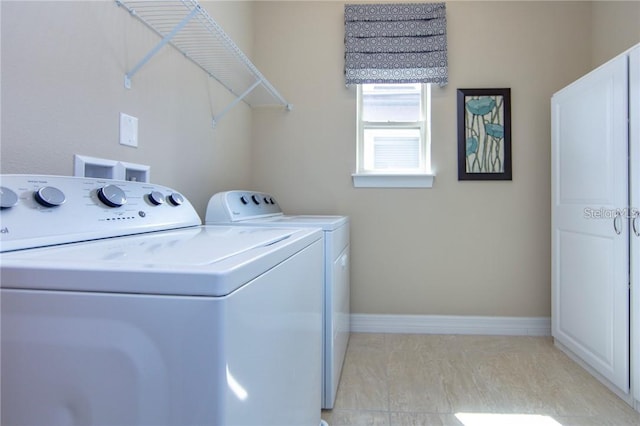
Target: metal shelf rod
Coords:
[[234, 102], [128, 76], [204, 42]]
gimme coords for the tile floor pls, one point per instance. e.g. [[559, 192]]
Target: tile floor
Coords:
[[407, 380]]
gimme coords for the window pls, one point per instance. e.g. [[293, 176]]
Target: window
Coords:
[[393, 135]]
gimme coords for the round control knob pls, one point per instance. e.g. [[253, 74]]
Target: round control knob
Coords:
[[243, 200], [49, 196], [8, 198], [156, 198], [176, 199], [255, 199], [112, 196]]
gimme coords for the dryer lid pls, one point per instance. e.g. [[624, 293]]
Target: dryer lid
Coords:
[[327, 223]]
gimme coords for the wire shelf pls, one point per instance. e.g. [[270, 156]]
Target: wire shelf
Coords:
[[185, 25]]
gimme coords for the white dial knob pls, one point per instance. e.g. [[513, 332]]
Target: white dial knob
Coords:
[[176, 199], [156, 198], [8, 198], [112, 196], [49, 196]]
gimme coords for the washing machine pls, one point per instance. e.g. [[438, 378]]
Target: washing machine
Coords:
[[119, 308], [249, 208]]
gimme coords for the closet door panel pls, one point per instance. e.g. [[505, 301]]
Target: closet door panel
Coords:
[[634, 149], [590, 256]]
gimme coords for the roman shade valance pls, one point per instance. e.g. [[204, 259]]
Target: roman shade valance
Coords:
[[395, 43]]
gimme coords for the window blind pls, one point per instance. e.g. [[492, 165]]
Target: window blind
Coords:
[[395, 43], [396, 153]]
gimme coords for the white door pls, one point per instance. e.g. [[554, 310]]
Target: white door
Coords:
[[590, 226], [634, 149]]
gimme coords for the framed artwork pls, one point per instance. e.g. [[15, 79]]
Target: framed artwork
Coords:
[[484, 134]]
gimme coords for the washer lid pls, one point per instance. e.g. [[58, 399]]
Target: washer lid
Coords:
[[184, 248], [202, 260]]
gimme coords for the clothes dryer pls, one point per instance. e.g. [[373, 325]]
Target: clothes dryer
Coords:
[[249, 208], [119, 308]]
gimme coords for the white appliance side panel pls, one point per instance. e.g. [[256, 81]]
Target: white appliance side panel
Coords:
[[81, 358], [590, 260], [253, 357], [634, 148], [337, 325], [337, 240], [277, 350]]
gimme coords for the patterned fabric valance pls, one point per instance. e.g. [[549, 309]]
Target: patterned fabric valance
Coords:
[[395, 43]]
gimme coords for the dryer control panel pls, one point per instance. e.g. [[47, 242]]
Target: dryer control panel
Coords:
[[236, 206], [40, 210]]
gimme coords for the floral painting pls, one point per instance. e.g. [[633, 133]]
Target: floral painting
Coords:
[[484, 134]]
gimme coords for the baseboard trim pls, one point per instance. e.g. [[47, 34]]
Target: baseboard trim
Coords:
[[446, 324]]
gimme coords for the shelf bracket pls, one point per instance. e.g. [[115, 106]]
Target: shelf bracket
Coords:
[[128, 76], [218, 116], [187, 27]]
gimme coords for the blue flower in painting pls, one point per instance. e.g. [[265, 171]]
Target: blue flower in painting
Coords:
[[481, 106], [472, 146], [495, 130]]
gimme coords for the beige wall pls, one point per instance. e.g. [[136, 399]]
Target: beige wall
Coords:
[[63, 65], [478, 248], [616, 27], [460, 248]]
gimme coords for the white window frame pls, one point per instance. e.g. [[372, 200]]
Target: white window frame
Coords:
[[420, 177]]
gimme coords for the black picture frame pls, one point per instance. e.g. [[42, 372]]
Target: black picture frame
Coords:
[[484, 134]]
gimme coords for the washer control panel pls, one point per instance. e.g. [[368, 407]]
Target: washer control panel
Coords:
[[235, 206], [39, 210]]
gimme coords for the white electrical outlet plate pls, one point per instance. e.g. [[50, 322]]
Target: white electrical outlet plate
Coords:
[[128, 130]]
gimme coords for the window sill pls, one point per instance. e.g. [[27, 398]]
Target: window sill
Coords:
[[383, 180]]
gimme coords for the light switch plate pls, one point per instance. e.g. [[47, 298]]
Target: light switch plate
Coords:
[[128, 130]]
